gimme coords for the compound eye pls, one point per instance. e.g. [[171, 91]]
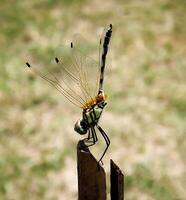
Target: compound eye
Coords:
[[79, 128]]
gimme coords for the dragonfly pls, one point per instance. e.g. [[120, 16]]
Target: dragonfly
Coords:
[[80, 79]]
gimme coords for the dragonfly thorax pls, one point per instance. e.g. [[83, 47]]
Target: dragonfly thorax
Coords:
[[95, 101], [90, 118]]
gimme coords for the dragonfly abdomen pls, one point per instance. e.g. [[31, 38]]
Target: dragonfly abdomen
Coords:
[[103, 56]]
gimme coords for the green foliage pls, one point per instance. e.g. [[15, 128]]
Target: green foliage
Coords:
[[145, 181], [10, 169], [179, 104]]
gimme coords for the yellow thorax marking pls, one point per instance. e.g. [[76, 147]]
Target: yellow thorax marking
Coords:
[[94, 101]]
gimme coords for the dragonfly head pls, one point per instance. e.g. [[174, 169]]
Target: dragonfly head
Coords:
[[81, 127]]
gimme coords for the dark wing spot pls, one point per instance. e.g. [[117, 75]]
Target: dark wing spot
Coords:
[[57, 60], [28, 65], [71, 45]]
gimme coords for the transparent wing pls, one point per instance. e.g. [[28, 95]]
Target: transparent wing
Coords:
[[70, 71], [92, 70]]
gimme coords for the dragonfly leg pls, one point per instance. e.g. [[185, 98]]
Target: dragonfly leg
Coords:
[[89, 135], [107, 140], [92, 137], [95, 135]]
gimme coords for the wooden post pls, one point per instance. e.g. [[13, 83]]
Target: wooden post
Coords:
[[91, 176], [116, 182]]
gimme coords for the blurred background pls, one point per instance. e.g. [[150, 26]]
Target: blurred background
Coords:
[[146, 112]]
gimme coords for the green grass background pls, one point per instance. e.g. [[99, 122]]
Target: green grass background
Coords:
[[146, 113]]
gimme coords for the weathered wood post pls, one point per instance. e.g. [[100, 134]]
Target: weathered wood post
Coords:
[[92, 178], [116, 182]]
